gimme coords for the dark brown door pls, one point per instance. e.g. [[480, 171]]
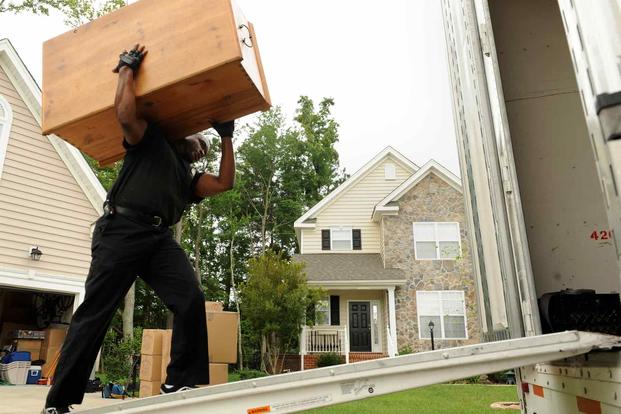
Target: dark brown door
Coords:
[[359, 327]]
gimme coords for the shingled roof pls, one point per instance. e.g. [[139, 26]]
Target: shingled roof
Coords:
[[347, 267]]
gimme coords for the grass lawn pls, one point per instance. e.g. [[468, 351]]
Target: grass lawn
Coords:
[[436, 399]]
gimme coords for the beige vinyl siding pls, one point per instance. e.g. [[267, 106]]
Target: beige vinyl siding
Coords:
[[40, 201], [354, 207]]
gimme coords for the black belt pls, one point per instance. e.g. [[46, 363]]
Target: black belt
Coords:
[[155, 221]]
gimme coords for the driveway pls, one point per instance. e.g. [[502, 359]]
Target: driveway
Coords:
[[29, 399]]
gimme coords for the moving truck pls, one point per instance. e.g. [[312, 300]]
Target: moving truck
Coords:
[[536, 88]]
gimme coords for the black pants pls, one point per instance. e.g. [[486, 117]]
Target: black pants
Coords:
[[122, 250]]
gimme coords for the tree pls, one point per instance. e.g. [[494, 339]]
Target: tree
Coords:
[[274, 300], [76, 12], [287, 169]]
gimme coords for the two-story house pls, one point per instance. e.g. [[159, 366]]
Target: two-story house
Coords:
[[49, 200], [390, 248]]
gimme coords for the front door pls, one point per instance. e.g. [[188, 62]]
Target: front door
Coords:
[[359, 327]]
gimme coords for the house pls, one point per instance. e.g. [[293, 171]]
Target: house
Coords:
[[390, 248], [49, 200]]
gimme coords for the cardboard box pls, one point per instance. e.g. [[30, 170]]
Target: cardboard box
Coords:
[[214, 306], [149, 388], [30, 345], [222, 336], [50, 356], [203, 66], [150, 367], [151, 342], [218, 374], [166, 342], [51, 346], [54, 338]]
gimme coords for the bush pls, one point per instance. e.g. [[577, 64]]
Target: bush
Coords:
[[329, 359], [406, 350], [245, 374], [117, 355]]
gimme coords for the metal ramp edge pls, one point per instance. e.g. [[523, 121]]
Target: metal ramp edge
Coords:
[[300, 391]]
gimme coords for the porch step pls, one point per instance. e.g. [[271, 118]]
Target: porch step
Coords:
[[365, 356]]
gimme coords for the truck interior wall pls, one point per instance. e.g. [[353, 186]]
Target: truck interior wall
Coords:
[[561, 195]]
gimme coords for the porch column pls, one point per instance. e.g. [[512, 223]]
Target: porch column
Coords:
[[392, 318]]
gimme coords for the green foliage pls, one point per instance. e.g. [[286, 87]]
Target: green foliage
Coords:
[[250, 374], [76, 12], [329, 359], [274, 300], [406, 350], [117, 355]]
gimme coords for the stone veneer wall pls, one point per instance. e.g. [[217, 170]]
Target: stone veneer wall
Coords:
[[431, 200]]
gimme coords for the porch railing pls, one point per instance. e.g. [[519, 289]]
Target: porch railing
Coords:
[[321, 339]]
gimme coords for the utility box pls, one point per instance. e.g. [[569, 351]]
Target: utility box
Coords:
[[203, 66]]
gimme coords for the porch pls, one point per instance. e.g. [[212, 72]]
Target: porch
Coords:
[[318, 340], [357, 318]]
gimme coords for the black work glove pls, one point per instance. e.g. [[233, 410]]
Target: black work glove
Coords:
[[131, 59], [225, 129]]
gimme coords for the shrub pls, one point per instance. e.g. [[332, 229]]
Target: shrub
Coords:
[[245, 374], [117, 355], [329, 359], [406, 350]]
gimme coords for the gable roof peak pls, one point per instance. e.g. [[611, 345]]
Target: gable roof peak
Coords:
[[29, 91], [430, 167], [362, 171]]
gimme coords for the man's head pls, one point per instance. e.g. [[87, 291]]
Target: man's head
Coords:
[[193, 148]]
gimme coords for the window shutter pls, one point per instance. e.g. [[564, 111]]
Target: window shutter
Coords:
[[356, 239], [325, 239], [335, 310]]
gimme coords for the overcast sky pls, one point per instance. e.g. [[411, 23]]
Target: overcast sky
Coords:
[[384, 64]]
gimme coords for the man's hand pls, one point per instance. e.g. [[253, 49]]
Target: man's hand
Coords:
[[131, 59], [225, 129]]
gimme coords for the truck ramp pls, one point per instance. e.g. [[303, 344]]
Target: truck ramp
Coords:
[[298, 391]]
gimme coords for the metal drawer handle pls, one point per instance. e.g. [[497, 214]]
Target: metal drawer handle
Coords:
[[249, 38]]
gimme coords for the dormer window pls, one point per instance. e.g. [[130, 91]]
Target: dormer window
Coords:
[[390, 172], [341, 239]]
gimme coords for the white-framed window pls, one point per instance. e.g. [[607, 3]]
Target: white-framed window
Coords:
[[436, 241], [6, 117], [341, 238], [322, 312], [446, 309]]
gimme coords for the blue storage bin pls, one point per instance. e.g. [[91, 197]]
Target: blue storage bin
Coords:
[[16, 356], [34, 375]]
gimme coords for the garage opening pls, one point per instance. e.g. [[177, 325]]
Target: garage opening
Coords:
[[35, 322]]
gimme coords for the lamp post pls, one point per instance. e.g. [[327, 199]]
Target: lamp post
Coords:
[[431, 326]]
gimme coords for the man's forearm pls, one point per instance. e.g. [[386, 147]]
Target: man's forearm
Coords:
[[125, 99], [226, 175]]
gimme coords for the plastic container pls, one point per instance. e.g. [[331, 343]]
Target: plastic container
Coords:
[[16, 356], [34, 374], [15, 373]]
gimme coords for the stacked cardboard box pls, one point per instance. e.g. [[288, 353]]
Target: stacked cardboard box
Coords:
[[50, 348], [30, 345], [151, 362], [222, 331]]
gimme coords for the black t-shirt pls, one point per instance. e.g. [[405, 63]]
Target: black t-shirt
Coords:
[[155, 179]]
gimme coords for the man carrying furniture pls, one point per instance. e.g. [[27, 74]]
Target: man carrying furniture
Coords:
[[133, 239]]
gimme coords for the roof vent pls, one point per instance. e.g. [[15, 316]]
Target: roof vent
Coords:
[[390, 172]]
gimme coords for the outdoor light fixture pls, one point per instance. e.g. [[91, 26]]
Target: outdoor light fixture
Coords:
[[431, 326], [35, 253]]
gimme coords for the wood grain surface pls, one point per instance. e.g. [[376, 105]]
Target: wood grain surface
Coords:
[[197, 71]]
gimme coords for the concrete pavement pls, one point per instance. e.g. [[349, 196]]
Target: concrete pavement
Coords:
[[29, 399]]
